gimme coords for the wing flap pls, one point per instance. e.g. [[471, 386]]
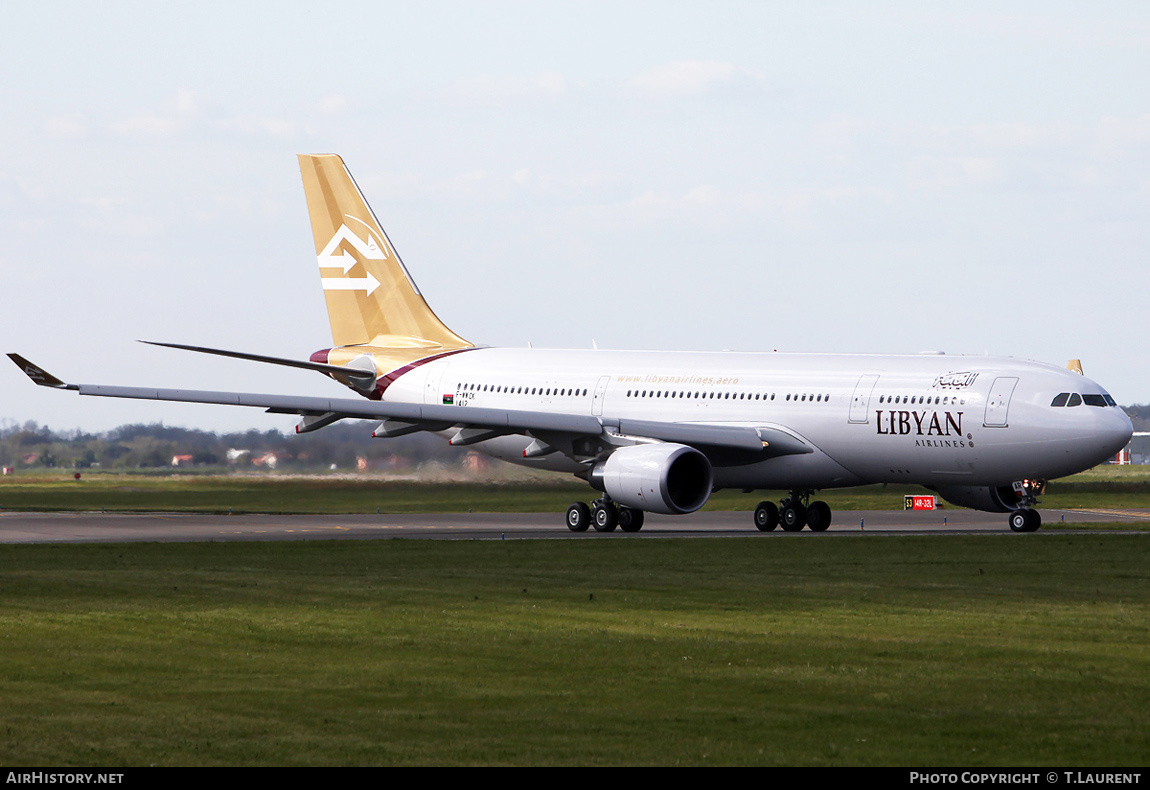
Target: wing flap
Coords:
[[416, 413]]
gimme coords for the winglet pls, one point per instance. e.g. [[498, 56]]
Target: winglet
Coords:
[[38, 374]]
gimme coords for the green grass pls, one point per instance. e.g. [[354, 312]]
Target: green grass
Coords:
[[1107, 487], [947, 650]]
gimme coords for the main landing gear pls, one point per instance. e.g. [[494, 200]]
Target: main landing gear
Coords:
[[604, 515], [793, 513]]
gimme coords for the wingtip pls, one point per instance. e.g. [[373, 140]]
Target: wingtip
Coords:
[[38, 374]]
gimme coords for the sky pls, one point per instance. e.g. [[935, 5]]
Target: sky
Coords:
[[971, 178]]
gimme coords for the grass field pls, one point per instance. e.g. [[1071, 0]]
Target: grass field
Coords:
[[1108, 486], [994, 650], [935, 650]]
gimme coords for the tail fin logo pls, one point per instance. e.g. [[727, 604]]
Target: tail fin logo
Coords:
[[333, 257]]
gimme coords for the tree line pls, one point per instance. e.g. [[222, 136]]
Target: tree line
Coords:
[[1139, 414], [346, 445]]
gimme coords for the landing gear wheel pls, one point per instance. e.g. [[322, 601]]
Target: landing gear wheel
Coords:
[[604, 518], [766, 516], [578, 517], [630, 519], [1025, 520], [819, 516], [793, 517]]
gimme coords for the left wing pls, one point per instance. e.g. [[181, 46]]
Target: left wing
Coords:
[[580, 436]]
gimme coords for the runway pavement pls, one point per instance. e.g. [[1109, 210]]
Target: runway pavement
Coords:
[[93, 527]]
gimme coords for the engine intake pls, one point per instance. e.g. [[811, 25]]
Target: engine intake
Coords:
[[660, 478]]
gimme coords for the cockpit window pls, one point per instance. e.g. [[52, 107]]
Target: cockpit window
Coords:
[[1075, 399]]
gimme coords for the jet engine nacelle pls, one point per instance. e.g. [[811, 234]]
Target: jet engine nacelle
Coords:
[[659, 478], [992, 499]]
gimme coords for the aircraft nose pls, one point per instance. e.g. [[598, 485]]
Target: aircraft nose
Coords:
[[1116, 430]]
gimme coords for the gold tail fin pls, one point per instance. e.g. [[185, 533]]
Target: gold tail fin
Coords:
[[371, 299], [1076, 366]]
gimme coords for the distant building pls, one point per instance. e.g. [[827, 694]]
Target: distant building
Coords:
[[1138, 449]]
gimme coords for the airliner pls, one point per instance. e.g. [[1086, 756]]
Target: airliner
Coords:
[[660, 431]]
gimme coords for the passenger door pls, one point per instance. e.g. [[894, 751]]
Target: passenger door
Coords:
[[998, 402]]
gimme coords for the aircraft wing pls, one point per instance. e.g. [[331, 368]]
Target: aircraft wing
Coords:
[[472, 424]]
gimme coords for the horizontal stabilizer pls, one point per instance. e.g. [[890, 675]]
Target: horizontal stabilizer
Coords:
[[339, 370]]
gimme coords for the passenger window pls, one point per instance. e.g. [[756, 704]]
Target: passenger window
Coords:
[[1060, 399], [1075, 400]]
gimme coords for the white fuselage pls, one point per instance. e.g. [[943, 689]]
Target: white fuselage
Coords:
[[932, 419]]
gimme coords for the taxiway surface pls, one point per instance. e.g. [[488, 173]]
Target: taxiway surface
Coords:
[[90, 527]]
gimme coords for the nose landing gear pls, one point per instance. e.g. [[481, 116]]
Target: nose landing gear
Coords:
[[1026, 518]]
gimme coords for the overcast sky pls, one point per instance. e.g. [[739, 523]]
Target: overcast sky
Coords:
[[850, 177]]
